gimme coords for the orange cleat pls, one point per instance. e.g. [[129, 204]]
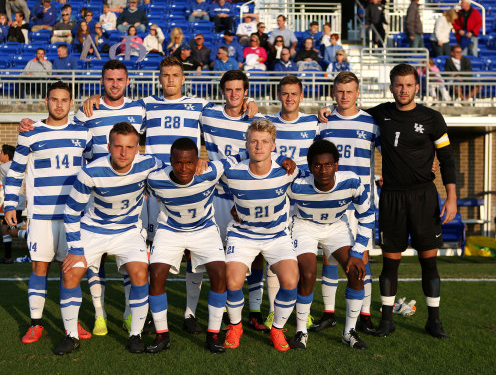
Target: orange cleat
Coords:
[[233, 336], [32, 335], [82, 333], [278, 339]]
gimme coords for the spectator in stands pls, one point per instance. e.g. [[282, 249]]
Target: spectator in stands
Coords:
[[276, 50], [234, 48], [39, 66], [18, 31], [246, 28], [374, 16], [325, 40], [287, 34], [4, 28], [223, 62], [135, 39], [44, 16], [82, 14], [285, 64], [313, 33], [262, 36], [254, 55], [307, 57], [222, 13], [62, 31], [108, 19], [442, 30], [81, 34], [330, 51], [132, 16], [459, 63], [64, 61], [101, 38], [413, 26], [198, 10], [340, 63], [117, 6], [200, 52], [189, 63], [435, 76], [88, 17], [176, 40], [467, 27], [14, 6], [153, 41]]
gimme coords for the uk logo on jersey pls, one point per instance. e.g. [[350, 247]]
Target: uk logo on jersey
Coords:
[[141, 184], [76, 142], [189, 107], [304, 135], [361, 134], [206, 193], [419, 128], [131, 119], [279, 191], [342, 203]]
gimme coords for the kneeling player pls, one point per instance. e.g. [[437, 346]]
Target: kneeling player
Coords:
[[321, 201], [109, 225]]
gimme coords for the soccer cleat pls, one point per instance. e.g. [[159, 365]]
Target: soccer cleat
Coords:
[[82, 333], [126, 324], [365, 325], [135, 344], [161, 342], [225, 322], [149, 327], [270, 319], [309, 321], [233, 336], [327, 320], [100, 328], [299, 341], [68, 345], [385, 328], [435, 329], [213, 343], [32, 335], [353, 340], [256, 322], [278, 339], [191, 325]]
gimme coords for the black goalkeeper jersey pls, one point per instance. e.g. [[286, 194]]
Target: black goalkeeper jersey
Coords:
[[408, 141]]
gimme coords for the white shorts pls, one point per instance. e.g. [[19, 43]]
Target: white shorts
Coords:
[[204, 245], [129, 246], [46, 240], [245, 251], [353, 223], [149, 217], [223, 215], [307, 236]]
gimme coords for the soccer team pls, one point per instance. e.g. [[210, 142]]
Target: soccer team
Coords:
[[251, 200]]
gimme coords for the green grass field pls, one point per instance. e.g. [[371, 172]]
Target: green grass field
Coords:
[[467, 311]]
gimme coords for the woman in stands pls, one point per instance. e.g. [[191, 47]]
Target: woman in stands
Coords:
[[442, 30], [153, 41], [275, 51], [132, 33], [254, 55], [307, 57], [340, 63], [325, 41], [176, 39], [83, 31]]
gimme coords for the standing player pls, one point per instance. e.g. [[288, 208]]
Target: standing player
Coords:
[[110, 225], [52, 155], [320, 202], [259, 189], [411, 135]]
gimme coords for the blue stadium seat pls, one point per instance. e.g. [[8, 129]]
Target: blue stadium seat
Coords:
[[33, 46], [42, 36], [10, 47], [151, 62], [19, 61]]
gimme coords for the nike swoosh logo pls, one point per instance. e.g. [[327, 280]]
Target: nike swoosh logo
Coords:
[[213, 131], [103, 191], [438, 235], [386, 119], [68, 320], [142, 251], [41, 145], [305, 204], [195, 283], [300, 313], [241, 195]]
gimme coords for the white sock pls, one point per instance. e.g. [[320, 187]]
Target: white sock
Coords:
[[303, 304], [97, 290], [138, 301], [127, 287], [216, 305], [255, 289], [70, 302], [235, 302], [272, 286], [283, 306], [354, 300], [193, 289], [329, 286], [37, 291], [158, 307]]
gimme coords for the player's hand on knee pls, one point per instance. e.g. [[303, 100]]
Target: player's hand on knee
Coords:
[[71, 260], [11, 218], [25, 125], [88, 104], [289, 165], [357, 263], [323, 113], [201, 166]]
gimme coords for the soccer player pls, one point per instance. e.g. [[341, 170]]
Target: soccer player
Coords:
[[411, 135], [355, 134], [321, 200], [259, 189], [51, 154], [110, 224]]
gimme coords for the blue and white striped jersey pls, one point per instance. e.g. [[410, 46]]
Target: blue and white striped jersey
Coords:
[[117, 199], [327, 207], [355, 137], [261, 201], [51, 157], [295, 137], [169, 120], [224, 136], [105, 117], [188, 207]]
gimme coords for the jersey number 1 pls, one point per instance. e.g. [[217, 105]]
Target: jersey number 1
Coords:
[[396, 139]]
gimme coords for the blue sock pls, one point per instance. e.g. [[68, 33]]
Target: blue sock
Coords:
[[216, 305]]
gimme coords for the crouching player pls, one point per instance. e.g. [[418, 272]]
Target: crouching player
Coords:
[[321, 200], [109, 225]]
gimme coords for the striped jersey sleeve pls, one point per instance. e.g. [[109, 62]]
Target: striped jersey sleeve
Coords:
[[50, 158], [116, 202]]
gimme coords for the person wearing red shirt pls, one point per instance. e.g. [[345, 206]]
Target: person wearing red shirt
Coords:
[[467, 27]]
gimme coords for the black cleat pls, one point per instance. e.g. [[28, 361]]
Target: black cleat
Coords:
[[191, 325], [435, 329], [353, 340], [365, 325], [225, 322], [256, 321], [135, 344], [149, 328], [299, 341], [161, 342], [213, 343], [68, 345], [385, 328], [327, 320]]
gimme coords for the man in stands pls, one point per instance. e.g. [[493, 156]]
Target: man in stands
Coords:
[[200, 52], [222, 13], [14, 6], [188, 62], [287, 34], [467, 27], [313, 33], [44, 16], [18, 31], [285, 64], [132, 16], [246, 28], [234, 49], [64, 62], [62, 31]]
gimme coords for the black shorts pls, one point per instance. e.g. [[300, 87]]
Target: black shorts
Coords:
[[410, 212], [18, 216]]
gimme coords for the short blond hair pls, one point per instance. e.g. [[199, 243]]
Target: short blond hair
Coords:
[[262, 125]]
